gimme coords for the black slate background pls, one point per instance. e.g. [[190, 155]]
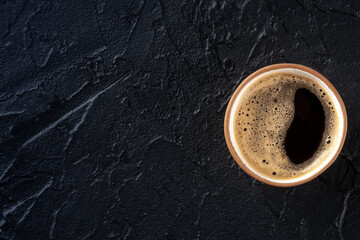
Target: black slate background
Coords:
[[111, 119]]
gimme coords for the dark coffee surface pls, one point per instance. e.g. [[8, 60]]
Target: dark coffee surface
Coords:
[[111, 119], [305, 133]]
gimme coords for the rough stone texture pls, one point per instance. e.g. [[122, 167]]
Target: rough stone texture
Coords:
[[111, 119]]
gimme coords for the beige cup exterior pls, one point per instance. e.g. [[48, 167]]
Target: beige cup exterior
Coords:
[[241, 161]]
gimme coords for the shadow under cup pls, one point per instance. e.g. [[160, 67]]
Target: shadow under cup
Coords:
[[306, 72]]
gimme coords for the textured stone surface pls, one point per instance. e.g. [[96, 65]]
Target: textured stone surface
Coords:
[[111, 119]]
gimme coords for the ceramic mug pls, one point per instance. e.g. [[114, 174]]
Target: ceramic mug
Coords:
[[297, 69]]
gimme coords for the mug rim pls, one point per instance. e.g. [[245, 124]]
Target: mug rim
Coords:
[[230, 106]]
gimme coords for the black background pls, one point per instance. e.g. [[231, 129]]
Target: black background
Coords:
[[111, 119]]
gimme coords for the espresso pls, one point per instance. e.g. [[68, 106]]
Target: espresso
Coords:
[[284, 125], [306, 130]]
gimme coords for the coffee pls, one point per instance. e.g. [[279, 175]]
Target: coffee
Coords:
[[285, 124], [305, 133]]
